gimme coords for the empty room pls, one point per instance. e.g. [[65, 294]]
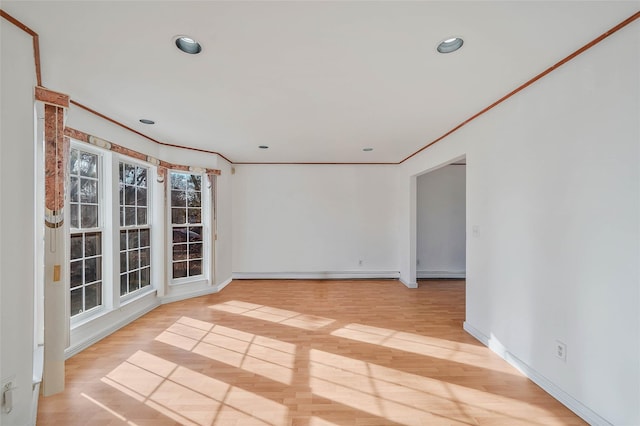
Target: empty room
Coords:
[[319, 213]]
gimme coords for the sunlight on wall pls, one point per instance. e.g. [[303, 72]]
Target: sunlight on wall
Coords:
[[189, 397], [422, 345], [266, 313], [261, 355]]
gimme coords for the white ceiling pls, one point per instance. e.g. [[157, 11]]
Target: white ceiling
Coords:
[[315, 81]]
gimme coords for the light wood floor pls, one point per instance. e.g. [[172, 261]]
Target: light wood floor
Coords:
[[300, 353]]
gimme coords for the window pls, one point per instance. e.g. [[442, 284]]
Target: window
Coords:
[[86, 234], [186, 225], [135, 246]]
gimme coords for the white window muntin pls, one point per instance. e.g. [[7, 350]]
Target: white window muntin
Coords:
[[134, 233], [86, 218], [188, 235]]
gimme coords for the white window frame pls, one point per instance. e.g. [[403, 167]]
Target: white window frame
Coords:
[[120, 227], [106, 278], [205, 204]]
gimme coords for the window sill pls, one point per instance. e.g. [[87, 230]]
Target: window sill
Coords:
[[193, 281], [130, 299], [84, 321]]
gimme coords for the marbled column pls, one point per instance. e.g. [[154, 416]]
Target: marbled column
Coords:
[[56, 156]]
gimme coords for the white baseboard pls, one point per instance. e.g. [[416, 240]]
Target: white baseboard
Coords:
[[547, 385], [408, 284], [224, 284], [82, 345], [325, 275], [441, 274]]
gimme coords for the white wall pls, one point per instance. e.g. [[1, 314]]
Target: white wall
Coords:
[[314, 221], [17, 219], [441, 241], [553, 189]]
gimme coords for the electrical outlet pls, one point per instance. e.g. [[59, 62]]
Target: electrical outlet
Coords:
[[561, 350]]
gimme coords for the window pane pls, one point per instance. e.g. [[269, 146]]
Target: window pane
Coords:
[[133, 238], [134, 281], [178, 198], [195, 251], [180, 252], [73, 162], [121, 176], [142, 196], [145, 277], [121, 216], [92, 270], [179, 181], [73, 189], [179, 235], [76, 301], [76, 246], [124, 286], [73, 215], [142, 216], [194, 200], [195, 216], [123, 262], [144, 238], [88, 191], [141, 177], [179, 269], [75, 274], [194, 182], [129, 216], [123, 240], [178, 216], [145, 257], [89, 216], [93, 296], [129, 174], [195, 268], [133, 260], [130, 195], [195, 233], [88, 164], [92, 244]]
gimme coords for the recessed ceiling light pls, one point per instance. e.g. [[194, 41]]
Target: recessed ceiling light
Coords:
[[367, 149], [263, 147], [188, 45], [147, 121], [450, 45]]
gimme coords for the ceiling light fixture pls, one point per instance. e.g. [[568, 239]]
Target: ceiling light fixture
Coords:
[[263, 147], [367, 149], [188, 45], [147, 121], [450, 45]]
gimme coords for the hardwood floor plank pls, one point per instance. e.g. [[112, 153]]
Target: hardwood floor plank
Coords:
[[303, 353]]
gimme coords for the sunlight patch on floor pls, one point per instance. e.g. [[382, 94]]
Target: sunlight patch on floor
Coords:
[[276, 315], [261, 355], [422, 345], [403, 397], [190, 397]]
